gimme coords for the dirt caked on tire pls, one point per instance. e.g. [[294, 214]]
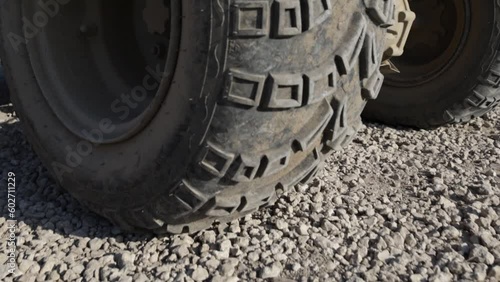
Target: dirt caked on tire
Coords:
[[206, 113]]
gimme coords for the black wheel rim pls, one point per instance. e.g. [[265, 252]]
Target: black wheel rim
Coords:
[[104, 67]]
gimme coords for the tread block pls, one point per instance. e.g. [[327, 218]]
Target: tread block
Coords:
[[223, 206], [286, 91], [216, 161], [371, 86], [299, 173], [448, 116], [181, 228], [244, 88], [381, 11], [321, 84], [189, 197], [289, 21], [314, 169], [370, 57], [318, 12], [250, 18], [334, 136], [285, 18], [247, 169], [281, 91], [343, 136], [349, 52], [320, 121], [478, 100], [338, 138], [371, 77], [324, 113], [277, 160], [493, 79], [265, 197]]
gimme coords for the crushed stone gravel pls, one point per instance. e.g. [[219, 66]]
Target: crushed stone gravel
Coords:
[[398, 204]]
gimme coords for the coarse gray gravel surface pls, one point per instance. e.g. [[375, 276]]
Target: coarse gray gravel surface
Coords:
[[399, 204]]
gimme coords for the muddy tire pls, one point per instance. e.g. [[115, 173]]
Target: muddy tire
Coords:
[[259, 93], [450, 80]]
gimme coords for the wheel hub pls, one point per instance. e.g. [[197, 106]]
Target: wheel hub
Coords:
[[106, 67]]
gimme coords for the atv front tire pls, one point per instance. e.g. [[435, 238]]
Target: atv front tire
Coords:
[[254, 95], [450, 71]]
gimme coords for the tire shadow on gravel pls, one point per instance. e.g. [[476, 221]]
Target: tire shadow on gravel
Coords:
[[408, 128], [40, 203]]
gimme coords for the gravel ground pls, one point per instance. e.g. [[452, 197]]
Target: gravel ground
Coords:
[[399, 204]]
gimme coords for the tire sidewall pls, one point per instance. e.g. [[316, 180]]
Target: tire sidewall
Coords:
[[158, 154]]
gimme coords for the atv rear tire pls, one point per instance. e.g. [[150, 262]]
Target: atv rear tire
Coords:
[[260, 91], [438, 88]]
